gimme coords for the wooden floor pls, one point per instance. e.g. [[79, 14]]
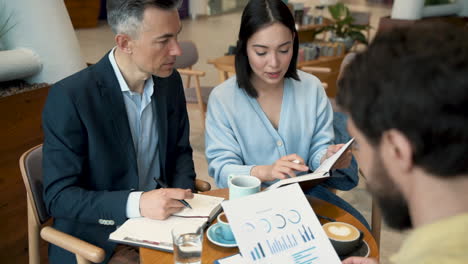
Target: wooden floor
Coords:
[[20, 130]]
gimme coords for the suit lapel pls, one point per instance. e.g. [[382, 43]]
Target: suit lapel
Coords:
[[113, 100], [160, 108]]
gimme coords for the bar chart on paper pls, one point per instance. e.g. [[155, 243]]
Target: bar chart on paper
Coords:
[[279, 226], [287, 242]]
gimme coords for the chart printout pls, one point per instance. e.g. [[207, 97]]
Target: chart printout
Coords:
[[279, 226]]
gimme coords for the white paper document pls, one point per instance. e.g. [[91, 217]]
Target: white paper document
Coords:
[[234, 259], [328, 163], [279, 226], [202, 205]]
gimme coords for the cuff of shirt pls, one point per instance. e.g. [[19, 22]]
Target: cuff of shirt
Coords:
[[318, 158], [133, 204], [241, 169]]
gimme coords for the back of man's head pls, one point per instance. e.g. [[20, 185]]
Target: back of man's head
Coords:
[[125, 16], [414, 80]]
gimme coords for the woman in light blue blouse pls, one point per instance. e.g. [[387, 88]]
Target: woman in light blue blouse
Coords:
[[270, 114]]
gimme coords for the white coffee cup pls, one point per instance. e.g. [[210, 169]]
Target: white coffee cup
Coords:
[[242, 185]]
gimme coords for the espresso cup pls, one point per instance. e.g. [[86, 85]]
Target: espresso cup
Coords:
[[344, 237], [242, 185], [223, 228]]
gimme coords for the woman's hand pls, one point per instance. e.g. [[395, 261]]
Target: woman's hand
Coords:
[[344, 161], [283, 168]]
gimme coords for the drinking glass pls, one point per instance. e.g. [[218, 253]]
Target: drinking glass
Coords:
[[188, 241]]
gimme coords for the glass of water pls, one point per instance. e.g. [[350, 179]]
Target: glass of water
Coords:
[[188, 241]]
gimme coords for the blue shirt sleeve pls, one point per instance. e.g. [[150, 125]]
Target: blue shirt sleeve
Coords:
[[223, 152]]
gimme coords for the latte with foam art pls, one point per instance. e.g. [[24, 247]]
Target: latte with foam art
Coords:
[[341, 231]]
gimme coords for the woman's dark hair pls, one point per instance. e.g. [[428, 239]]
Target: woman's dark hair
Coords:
[[257, 15]]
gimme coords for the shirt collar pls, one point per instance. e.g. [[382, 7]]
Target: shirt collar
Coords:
[[148, 88]]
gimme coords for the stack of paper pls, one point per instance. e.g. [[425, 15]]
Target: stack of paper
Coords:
[[279, 226]]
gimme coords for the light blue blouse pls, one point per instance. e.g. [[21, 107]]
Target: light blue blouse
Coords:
[[239, 135]]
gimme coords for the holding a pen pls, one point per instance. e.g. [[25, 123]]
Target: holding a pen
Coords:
[[285, 167], [163, 185], [161, 203]]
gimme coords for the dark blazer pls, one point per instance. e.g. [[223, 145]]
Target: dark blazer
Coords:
[[89, 162]]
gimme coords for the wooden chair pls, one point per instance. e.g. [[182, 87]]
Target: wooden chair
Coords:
[[197, 94], [31, 170], [323, 73], [225, 71], [363, 19], [327, 69], [225, 66]]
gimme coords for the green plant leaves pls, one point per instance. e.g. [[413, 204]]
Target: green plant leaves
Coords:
[[358, 36], [338, 11], [343, 26]]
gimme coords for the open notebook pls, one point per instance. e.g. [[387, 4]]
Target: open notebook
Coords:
[[308, 181], [145, 232]]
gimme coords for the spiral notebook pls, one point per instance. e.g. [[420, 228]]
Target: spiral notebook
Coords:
[[156, 234]]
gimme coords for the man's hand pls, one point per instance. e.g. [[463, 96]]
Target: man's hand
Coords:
[[283, 168], [161, 203], [344, 161], [360, 260]]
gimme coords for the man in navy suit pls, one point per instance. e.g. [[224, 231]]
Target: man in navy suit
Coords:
[[112, 128]]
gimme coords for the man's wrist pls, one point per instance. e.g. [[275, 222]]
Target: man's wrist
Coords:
[[133, 205]]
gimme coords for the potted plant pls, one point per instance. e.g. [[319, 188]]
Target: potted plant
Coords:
[[342, 27], [5, 22]]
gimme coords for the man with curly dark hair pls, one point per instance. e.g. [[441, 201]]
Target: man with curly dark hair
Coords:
[[407, 97]]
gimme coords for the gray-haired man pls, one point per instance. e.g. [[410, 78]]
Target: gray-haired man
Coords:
[[113, 127]]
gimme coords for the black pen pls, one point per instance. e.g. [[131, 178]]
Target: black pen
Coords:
[[163, 185]]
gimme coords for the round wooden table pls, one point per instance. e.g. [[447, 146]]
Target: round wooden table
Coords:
[[212, 252]]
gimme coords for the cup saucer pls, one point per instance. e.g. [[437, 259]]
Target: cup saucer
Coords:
[[361, 251], [218, 240]]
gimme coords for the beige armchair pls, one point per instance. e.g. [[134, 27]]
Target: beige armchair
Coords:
[[31, 170]]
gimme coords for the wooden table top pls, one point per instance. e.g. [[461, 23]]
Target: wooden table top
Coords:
[[212, 252]]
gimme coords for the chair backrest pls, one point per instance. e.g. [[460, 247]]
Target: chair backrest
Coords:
[[361, 18], [327, 71], [189, 55], [31, 170]]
